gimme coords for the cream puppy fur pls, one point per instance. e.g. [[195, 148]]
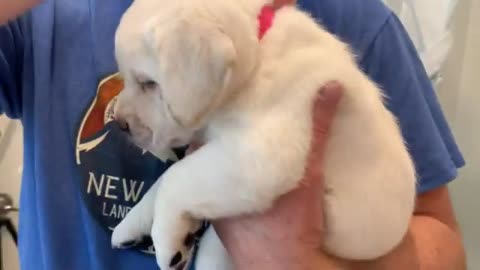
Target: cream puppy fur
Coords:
[[196, 70]]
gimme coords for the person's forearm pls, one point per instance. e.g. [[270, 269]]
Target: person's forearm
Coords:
[[9, 9], [429, 245], [305, 261], [252, 252]]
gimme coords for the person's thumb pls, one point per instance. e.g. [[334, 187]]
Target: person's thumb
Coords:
[[13, 8], [324, 110], [277, 4]]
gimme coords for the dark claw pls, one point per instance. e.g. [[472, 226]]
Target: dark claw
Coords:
[[189, 240], [147, 241], [128, 244], [201, 230], [176, 259]]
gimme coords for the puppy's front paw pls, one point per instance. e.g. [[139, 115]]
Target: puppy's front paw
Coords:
[[133, 229], [127, 235], [137, 224], [174, 240]]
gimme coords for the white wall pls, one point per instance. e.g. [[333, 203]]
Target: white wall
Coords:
[[10, 173], [459, 94]]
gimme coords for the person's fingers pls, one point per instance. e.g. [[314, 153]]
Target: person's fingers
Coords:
[[193, 147], [280, 3], [11, 9], [324, 110], [303, 202]]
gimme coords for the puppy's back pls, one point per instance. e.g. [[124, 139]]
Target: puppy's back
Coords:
[[370, 177]]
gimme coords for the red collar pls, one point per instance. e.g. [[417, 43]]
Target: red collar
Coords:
[[265, 20]]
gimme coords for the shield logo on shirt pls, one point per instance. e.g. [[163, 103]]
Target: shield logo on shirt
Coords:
[[114, 173]]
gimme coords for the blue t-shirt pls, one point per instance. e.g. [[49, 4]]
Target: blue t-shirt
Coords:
[[81, 178]]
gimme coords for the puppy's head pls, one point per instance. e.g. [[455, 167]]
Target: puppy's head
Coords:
[[180, 60]]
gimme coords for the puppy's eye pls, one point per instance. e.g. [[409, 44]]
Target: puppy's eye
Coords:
[[148, 85]]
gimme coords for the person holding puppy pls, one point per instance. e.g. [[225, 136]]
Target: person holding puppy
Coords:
[[57, 74]]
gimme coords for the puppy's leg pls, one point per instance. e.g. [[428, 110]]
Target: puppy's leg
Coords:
[[209, 184], [212, 255], [137, 224]]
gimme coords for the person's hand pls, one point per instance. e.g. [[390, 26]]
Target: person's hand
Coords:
[[280, 3], [9, 9], [289, 235]]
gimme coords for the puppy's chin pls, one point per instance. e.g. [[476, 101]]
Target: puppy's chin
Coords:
[[179, 143], [144, 147], [163, 153], [142, 143]]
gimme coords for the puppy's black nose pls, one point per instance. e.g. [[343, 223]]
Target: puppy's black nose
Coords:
[[123, 125]]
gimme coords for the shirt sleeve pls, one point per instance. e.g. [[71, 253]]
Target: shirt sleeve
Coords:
[[393, 63], [11, 61]]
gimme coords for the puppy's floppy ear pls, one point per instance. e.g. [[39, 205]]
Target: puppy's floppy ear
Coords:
[[195, 58]]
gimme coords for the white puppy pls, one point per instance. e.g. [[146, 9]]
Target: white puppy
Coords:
[[196, 69]]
